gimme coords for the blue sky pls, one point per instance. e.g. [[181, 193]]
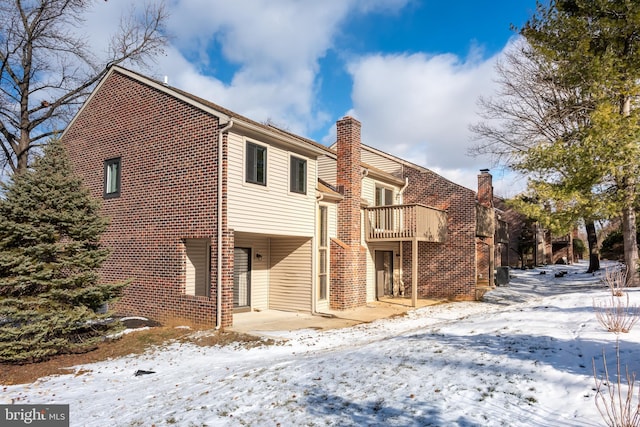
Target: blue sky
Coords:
[[411, 71]]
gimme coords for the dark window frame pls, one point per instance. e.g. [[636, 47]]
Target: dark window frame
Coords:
[[255, 165], [108, 193], [298, 175]]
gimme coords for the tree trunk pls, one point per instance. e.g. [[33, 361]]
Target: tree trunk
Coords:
[[630, 246], [594, 252], [629, 216]]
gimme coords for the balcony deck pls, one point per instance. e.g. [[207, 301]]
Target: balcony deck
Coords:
[[405, 222]]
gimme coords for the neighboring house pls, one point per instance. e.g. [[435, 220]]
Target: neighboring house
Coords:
[[213, 213], [529, 244]]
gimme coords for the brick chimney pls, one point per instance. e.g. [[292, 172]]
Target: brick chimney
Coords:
[[348, 256], [485, 188], [485, 231], [349, 179]]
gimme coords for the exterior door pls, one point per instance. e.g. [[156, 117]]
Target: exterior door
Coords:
[[384, 273], [241, 278]]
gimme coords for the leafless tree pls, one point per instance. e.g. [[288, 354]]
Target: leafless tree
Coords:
[[47, 68], [535, 123], [530, 108]]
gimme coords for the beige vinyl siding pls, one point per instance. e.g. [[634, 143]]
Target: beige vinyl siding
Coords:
[[197, 267], [270, 209], [327, 169], [259, 267], [369, 191], [291, 274], [381, 162]]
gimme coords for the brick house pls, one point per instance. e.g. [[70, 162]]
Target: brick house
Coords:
[[212, 213], [528, 243], [441, 234]]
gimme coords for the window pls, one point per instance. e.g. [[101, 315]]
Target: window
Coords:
[[323, 258], [384, 196], [298, 175], [256, 164], [384, 217], [112, 168]]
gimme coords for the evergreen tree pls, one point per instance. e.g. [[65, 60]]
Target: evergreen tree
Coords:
[[50, 295], [594, 46]]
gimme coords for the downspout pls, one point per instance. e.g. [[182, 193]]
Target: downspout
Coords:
[[219, 234], [404, 187]]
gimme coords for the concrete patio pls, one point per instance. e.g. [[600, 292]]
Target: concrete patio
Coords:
[[263, 322]]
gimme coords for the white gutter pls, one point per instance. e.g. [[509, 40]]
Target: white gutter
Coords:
[[219, 234], [304, 146]]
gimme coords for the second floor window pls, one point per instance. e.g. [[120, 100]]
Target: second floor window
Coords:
[[256, 167], [112, 178], [298, 178], [384, 196]]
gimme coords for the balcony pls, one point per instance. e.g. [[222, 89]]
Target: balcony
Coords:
[[405, 222], [561, 239]]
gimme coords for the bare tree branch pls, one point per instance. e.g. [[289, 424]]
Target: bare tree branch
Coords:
[[47, 69]]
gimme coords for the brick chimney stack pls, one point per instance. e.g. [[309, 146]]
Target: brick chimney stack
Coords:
[[485, 188], [349, 179], [348, 256]]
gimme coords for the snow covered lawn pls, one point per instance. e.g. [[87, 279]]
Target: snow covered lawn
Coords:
[[521, 358]]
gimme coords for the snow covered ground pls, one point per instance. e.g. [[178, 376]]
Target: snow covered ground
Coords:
[[521, 358]]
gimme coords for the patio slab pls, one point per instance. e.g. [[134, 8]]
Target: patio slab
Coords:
[[263, 322]]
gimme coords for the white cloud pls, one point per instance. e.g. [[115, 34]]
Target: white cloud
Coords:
[[276, 46], [419, 107]]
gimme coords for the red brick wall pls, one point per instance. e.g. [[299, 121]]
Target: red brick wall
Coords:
[[348, 276], [348, 261], [445, 270], [168, 193]]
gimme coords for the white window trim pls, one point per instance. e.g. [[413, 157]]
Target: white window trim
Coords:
[[328, 254], [386, 187]]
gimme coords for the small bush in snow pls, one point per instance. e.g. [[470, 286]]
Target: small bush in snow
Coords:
[[615, 279], [615, 315], [616, 401]]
